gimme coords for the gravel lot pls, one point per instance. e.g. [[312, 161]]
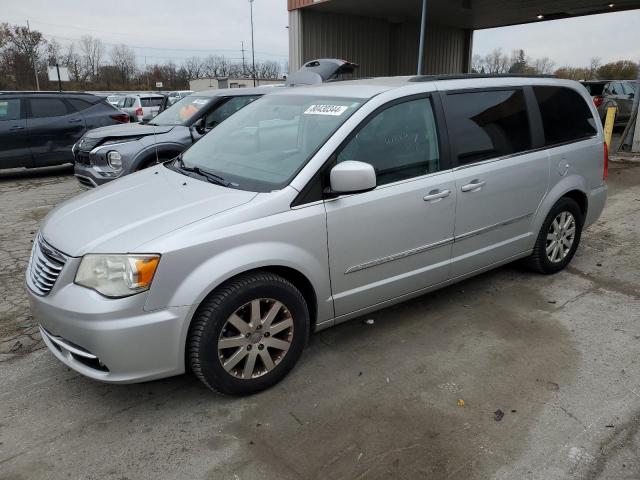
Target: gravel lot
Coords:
[[559, 356]]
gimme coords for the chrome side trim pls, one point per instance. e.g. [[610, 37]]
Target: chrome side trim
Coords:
[[62, 343], [424, 248], [482, 230], [398, 256]]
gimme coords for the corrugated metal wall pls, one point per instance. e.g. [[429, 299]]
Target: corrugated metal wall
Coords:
[[380, 47]]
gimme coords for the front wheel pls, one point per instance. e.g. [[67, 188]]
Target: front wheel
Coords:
[[559, 237], [248, 334]]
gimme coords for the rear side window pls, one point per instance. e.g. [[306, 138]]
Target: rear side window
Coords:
[[566, 117], [489, 124], [151, 101], [10, 109], [594, 89], [47, 107], [401, 142], [79, 104]]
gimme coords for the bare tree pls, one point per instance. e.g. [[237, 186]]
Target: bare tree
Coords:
[[594, 66], [543, 66], [92, 50], [496, 62], [124, 59], [193, 67], [54, 52], [72, 60], [268, 70]]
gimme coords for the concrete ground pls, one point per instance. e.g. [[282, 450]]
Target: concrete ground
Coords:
[[559, 356]]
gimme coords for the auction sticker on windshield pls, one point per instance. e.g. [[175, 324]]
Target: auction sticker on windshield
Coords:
[[334, 110]]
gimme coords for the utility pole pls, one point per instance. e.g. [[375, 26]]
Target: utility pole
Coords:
[[253, 51], [244, 67], [33, 60], [423, 34]]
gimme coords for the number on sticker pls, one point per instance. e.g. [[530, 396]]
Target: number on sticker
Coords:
[[334, 110]]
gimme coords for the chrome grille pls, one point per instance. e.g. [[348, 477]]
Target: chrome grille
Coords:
[[45, 266], [83, 159], [87, 144]]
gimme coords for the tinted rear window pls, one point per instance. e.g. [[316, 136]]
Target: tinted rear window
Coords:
[[151, 102], [79, 104], [490, 124], [47, 107], [594, 89], [566, 117]]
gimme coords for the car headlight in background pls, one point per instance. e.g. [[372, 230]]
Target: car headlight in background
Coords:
[[117, 275], [115, 160]]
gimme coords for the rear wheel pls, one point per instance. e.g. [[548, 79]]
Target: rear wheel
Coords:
[[248, 334], [559, 237]]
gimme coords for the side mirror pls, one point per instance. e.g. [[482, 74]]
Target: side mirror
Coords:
[[352, 177], [197, 129]]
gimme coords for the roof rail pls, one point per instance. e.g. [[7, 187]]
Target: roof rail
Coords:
[[462, 76]]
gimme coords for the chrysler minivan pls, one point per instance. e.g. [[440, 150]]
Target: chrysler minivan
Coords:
[[309, 207]]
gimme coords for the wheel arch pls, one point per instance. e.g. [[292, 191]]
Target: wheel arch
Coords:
[[296, 277], [163, 152], [572, 186]]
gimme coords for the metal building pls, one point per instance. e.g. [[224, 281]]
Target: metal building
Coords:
[[383, 35]]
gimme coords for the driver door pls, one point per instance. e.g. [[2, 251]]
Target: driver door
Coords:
[[395, 239]]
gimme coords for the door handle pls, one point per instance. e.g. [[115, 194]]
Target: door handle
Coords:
[[16, 127], [75, 120], [474, 186], [436, 195]]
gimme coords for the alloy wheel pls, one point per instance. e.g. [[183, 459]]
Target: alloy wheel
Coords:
[[560, 237], [255, 338]]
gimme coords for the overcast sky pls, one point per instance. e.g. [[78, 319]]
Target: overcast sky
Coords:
[[573, 42], [163, 30]]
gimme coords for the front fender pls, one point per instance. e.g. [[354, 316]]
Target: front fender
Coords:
[[149, 152], [218, 269]]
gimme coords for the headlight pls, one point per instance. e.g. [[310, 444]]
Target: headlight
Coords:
[[115, 160], [117, 275]]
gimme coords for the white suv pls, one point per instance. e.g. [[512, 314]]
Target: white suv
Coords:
[[141, 107]]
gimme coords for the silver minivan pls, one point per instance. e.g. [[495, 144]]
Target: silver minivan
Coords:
[[307, 208]]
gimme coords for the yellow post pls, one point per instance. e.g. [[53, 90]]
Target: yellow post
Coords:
[[608, 125]]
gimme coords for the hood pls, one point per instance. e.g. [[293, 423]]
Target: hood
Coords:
[[128, 130], [123, 214]]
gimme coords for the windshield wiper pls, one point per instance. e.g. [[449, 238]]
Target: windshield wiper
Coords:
[[210, 176]]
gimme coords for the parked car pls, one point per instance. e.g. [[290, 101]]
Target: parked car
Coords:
[[172, 97], [105, 154], [37, 129], [141, 107], [115, 99], [612, 93], [306, 208], [109, 153]]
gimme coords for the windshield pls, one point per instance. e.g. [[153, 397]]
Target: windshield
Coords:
[[182, 111], [261, 147]]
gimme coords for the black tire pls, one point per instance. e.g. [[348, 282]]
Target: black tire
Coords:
[[539, 261], [212, 315]]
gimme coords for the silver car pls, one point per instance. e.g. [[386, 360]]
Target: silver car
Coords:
[[141, 107], [307, 208]]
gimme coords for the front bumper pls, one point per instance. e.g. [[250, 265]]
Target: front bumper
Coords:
[[89, 177], [112, 340]]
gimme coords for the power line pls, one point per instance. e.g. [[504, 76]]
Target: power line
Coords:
[[205, 50]]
